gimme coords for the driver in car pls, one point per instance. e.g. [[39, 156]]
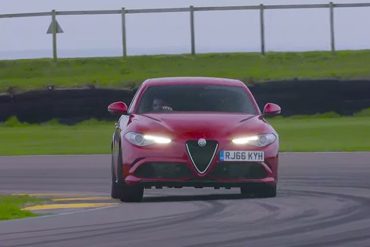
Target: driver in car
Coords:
[[160, 105]]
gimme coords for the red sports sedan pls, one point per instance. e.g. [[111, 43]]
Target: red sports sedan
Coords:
[[197, 132]]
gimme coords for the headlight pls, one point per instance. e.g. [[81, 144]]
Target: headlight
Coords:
[[144, 140], [256, 140]]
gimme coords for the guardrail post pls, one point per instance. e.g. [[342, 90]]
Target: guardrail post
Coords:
[[262, 24], [332, 34], [192, 32], [124, 47], [54, 34]]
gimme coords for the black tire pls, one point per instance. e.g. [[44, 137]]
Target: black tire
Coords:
[[258, 190], [116, 189], [132, 193], [120, 190]]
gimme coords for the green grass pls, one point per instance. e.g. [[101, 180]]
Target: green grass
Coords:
[[119, 72], [325, 132], [89, 137], [10, 206]]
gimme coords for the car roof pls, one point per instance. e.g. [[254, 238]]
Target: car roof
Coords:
[[192, 80]]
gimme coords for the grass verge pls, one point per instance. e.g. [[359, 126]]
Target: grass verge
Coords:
[[89, 137], [127, 72], [323, 134], [10, 206], [320, 133]]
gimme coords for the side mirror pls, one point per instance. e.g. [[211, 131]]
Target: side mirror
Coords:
[[117, 108], [271, 109]]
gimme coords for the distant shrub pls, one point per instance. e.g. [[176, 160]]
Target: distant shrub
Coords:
[[317, 115], [327, 115], [53, 121], [93, 121], [13, 122], [363, 113]]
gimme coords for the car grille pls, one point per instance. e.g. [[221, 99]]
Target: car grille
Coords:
[[253, 170], [163, 170], [201, 156]]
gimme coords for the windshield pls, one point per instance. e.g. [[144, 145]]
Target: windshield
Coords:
[[196, 98]]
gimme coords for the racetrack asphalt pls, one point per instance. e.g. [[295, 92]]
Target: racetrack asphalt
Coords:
[[323, 200]]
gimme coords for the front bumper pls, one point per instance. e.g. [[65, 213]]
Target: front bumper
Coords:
[[172, 167], [201, 183], [181, 173]]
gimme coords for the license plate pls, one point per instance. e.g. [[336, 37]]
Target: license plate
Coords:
[[241, 156]]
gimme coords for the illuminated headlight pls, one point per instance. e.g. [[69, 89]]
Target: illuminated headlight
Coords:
[[257, 140], [144, 140]]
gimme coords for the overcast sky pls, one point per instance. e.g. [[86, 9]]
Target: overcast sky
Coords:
[[229, 31]]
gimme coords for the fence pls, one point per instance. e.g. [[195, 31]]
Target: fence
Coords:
[[54, 27]]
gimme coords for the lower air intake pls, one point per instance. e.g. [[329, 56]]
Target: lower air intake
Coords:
[[252, 170], [163, 170]]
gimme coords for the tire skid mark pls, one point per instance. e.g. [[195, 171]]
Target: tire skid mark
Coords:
[[352, 214], [117, 223], [362, 235], [210, 209], [343, 213], [96, 227]]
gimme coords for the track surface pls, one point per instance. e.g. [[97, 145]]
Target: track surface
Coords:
[[323, 200]]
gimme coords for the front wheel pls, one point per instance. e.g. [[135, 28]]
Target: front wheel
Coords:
[[132, 193], [116, 189], [120, 190], [126, 193], [258, 190]]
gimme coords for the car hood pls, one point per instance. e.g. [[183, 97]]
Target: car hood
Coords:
[[198, 125]]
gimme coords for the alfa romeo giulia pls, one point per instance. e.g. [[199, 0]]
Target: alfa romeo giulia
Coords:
[[193, 132]]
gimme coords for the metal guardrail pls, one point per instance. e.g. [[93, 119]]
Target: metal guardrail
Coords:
[[261, 8]]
